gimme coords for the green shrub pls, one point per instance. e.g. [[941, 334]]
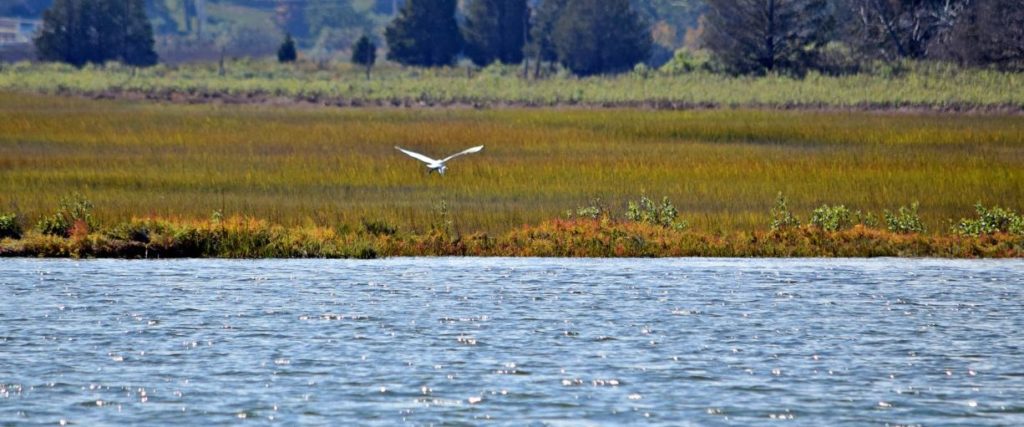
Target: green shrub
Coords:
[[905, 220], [595, 210], [782, 218], [9, 226], [685, 61], [991, 221], [645, 211], [73, 208], [832, 218], [642, 71]]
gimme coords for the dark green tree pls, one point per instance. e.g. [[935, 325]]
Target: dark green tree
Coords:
[[542, 46], [129, 34], [59, 38], [600, 36], [364, 53], [287, 53], [495, 30], [759, 36], [424, 34], [96, 31]]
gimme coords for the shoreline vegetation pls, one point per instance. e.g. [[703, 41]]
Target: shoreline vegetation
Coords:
[[143, 180], [911, 86], [246, 238], [648, 230]]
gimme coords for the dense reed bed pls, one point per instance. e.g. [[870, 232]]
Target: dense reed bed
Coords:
[[337, 167], [929, 86]]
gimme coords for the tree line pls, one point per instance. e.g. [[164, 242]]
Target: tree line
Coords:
[[743, 36], [793, 36], [96, 31], [586, 36], [605, 36]]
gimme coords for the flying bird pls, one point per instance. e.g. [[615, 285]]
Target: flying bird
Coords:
[[438, 165]]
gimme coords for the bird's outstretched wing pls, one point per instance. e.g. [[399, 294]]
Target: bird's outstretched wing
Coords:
[[467, 151], [416, 155]]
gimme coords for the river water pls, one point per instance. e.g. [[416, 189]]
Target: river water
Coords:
[[512, 341]]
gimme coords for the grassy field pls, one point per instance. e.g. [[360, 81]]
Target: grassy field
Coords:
[[335, 168], [927, 86]]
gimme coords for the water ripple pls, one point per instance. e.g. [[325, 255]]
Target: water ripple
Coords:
[[512, 341]]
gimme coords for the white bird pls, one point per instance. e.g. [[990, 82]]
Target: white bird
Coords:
[[438, 165]]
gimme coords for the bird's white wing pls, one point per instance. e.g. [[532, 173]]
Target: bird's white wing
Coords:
[[467, 151], [416, 155]]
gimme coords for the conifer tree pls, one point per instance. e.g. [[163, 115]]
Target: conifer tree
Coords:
[[136, 34], [758, 36], [600, 36], [495, 30], [364, 53], [287, 53], [96, 31], [424, 34], [542, 46]]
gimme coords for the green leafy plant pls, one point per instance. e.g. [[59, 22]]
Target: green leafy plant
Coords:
[[832, 218], [647, 212], [905, 220], [782, 218], [991, 221], [9, 226], [595, 210], [73, 209]]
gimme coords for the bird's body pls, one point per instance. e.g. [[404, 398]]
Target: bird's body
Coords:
[[434, 165]]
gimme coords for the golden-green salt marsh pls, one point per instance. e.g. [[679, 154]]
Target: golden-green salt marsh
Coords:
[[296, 165]]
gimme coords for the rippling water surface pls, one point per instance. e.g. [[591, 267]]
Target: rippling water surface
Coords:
[[515, 341]]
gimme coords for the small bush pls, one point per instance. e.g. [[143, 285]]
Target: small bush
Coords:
[[595, 210], [642, 71], [991, 221], [9, 226], [782, 218], [832, 218], [685, 61], [645, 211], [73, 209], [905, 220]]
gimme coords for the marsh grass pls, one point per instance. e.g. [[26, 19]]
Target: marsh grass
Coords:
[[929, 85], [335, 168]]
